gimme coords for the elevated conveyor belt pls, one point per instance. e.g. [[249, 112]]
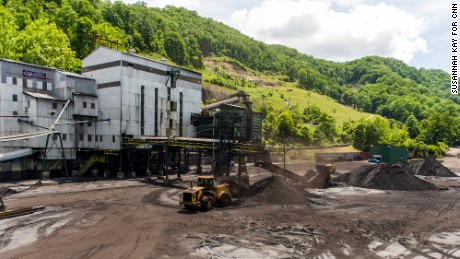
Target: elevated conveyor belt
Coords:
[[192, 143], [15, 155]]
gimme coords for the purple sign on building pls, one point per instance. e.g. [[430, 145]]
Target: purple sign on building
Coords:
[[33, 74]]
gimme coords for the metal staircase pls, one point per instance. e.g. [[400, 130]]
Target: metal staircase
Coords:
[[90, 162]]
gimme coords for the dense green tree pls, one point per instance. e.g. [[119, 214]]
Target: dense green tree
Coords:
[[365, 135], [8, 30], [413, 126], [175, 48], [82, 37], [44, 44]]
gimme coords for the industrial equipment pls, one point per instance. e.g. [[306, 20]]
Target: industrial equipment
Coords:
[[207, 193]]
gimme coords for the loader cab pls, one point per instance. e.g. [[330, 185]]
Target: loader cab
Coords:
[[206, 181]]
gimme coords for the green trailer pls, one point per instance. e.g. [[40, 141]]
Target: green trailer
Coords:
[[389, 154]]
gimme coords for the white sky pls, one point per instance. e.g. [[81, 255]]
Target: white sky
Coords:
[[415, 31]]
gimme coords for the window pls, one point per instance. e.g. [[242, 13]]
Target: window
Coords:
[[93, 106], [100, 138], [54, 105], [15, 97], [95, 138], [24, 82], [113, 138], [82, 137], [55, 137], [28, 103], [15, 81], [170, 123], [85, 104], [90, 138], [15, 112], [64, 136], [173, 106], [89, 124], [44, 85]]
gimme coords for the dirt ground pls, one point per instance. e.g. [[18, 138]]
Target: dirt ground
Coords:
[[132, 219]]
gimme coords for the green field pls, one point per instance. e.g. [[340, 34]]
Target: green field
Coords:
[[280, 95]]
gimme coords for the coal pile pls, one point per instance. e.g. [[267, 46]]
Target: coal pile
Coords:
[[385, 177], [276, 190], [430, 167]]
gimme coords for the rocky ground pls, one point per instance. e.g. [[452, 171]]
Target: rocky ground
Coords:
[[132, 219]]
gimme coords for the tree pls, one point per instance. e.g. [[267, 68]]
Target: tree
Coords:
[[365, 135], [285, 126], [44, 44], [81, 37], [175, 48], [8, 30], [413, 126], [438, 128]]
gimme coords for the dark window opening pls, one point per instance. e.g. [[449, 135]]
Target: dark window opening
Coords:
[[82, 137], [15, 97], [93, 106], [89, 124], [90, 138], [170, 123], [85, 104], [64, 136], [45, 86], [15, 81], [113, 138], [15, 112], [54, 105]]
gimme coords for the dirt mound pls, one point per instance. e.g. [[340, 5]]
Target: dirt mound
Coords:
[[276, 190], [430, 167], [385, 177]]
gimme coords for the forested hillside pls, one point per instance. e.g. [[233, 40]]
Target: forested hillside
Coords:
[[423, 115]]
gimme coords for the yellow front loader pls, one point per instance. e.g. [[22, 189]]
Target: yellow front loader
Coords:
[[207, 193]]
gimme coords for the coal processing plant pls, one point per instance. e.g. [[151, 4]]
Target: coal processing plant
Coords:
[[125, 115]]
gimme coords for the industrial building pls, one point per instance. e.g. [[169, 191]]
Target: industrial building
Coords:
[[126, 112]]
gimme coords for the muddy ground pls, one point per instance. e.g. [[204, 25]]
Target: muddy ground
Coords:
[[132, 219]]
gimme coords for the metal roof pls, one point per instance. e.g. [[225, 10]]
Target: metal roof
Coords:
[[43, 96]]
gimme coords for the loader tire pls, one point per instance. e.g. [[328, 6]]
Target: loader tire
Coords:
[[206, 203], [225, 200]]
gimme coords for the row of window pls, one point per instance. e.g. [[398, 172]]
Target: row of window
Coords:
[[85, 105], [31, 83], [98, 138], [55, 105]]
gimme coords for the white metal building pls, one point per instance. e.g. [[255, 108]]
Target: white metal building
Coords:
[[119, 95], [32, 96], [142, 97]]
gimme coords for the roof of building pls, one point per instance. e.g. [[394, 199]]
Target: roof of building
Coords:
[[155, 61], [48, 68], [28, 64], [43, 96]]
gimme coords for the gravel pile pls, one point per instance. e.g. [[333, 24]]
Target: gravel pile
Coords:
[[429, 167], [385, 177], [276, 190]]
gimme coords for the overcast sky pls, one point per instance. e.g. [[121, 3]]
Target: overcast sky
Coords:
[[415, 31]]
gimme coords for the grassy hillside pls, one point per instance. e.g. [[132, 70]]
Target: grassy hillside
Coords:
[[271, 91]]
